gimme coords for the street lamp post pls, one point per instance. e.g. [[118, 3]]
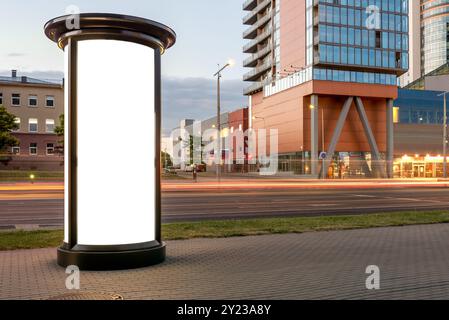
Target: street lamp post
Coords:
[[445, 137], [230, 63], [264, 124], [322, 143]]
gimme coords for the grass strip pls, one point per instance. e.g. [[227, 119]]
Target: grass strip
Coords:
[[238, 228]]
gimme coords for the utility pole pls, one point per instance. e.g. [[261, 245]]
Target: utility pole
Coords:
[[445, 137], [218, 157], [322, 143], [230, 63]]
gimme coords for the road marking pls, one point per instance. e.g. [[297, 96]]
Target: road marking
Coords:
[[420, 200], [319, 205], [364, 196], [414, 200]]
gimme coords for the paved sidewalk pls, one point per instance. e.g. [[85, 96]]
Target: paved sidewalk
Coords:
[[414, 263]]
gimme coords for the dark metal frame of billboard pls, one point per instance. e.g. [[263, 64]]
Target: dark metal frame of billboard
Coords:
[[121, 28]]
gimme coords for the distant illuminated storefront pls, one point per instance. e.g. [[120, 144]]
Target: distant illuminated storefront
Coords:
[[418, 134], [418, 166]]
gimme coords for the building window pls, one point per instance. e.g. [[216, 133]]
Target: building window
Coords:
[[15, 150], [32, 101], [15, 99], [1, 99], [33, 149], [17, 121], [50, 149], [32, 125], [50, 101], [49, 125]]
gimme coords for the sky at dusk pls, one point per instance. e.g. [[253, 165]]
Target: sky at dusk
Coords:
[[209, 32]]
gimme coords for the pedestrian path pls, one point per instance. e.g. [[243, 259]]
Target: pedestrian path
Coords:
[[413, 263]]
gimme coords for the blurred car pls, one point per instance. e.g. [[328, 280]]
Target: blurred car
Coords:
[[170, 170]]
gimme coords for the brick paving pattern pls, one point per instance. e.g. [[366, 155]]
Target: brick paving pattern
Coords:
[[414, 263]]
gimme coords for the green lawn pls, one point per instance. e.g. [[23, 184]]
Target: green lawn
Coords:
[[17, 176], [233, 228]]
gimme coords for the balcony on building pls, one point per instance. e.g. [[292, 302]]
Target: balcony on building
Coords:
[[252, 46], [252, 60], [258, 71], [251, 17], [251, 32], [249, 5], [255, 87]]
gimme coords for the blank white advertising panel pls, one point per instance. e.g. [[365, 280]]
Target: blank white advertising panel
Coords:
[[116, 143]]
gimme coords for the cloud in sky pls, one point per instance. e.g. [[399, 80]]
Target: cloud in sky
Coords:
[[196, 98], [15, 55]]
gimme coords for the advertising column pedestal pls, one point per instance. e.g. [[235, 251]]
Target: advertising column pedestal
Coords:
[[112, 140]]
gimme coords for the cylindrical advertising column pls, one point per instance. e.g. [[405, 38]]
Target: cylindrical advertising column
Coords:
[[112, 139]]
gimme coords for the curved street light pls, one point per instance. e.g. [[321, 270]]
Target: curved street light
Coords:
[[229, 63]]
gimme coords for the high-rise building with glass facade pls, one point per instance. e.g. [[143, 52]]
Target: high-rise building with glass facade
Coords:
[[349, 39], [316, 64], [346, 40], [435, 34], [429, 38]]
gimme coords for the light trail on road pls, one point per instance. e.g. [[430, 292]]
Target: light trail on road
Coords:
[[42, 205]]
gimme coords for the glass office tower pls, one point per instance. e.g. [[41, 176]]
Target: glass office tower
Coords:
[[435, 34], [361, 41]]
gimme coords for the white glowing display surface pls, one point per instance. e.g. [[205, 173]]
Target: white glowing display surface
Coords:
[[116, 143]]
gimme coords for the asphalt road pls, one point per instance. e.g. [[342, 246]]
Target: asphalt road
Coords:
[[47, 211]]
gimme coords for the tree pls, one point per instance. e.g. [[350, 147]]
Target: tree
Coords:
[[166, 160], [7, 125], [59, 130], [191, 144]]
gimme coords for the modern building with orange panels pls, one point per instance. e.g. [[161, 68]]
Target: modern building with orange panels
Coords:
[[324, 74]]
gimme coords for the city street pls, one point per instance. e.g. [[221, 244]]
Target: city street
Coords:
[[41, 205]]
